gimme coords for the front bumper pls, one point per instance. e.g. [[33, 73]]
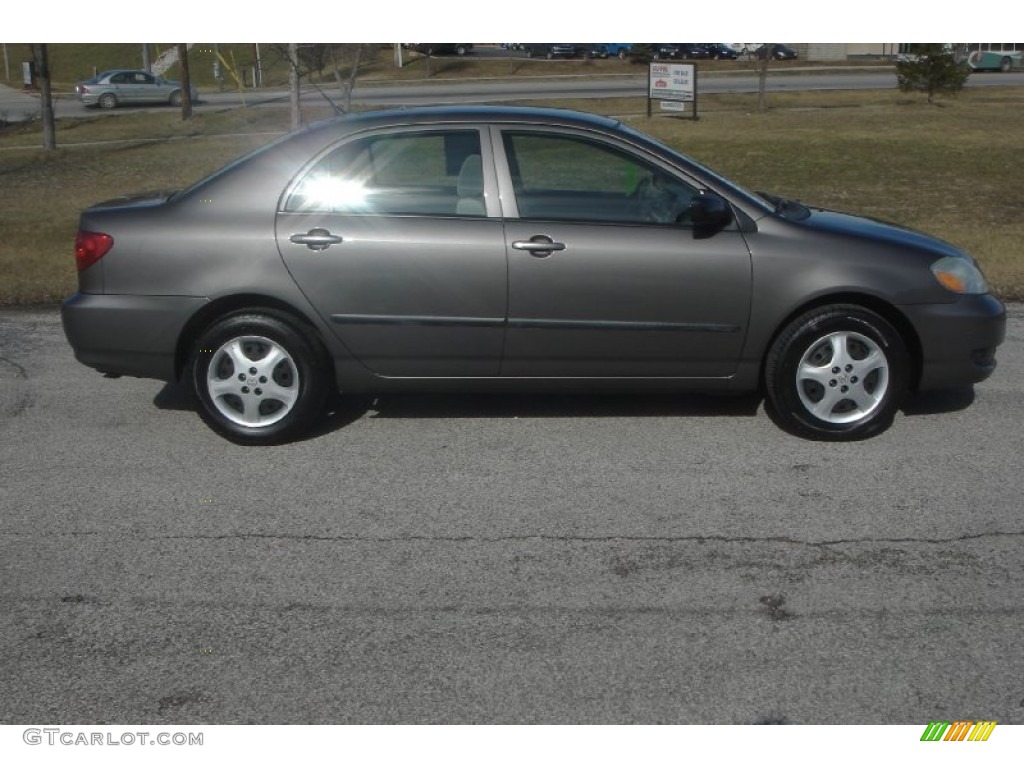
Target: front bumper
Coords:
[[127, 335], [958, 340]]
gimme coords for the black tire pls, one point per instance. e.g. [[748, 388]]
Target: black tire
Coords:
[[551, 54], [837, 372], [281, 400], [174, 99], [623, 54], [1006, 64], [107, 101], [461, 50]]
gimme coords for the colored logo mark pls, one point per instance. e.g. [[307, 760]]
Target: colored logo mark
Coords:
[[959, 730]]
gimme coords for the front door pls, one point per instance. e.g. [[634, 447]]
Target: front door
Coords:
[[607, 277]]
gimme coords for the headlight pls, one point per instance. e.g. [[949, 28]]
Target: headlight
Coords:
[[959, 275]]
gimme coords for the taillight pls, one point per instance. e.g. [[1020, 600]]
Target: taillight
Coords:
[[90, 247]]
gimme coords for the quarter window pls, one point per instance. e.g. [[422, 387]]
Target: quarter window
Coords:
[[437, 173]]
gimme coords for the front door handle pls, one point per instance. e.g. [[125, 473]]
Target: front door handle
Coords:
[[316, 239], [538, 245]]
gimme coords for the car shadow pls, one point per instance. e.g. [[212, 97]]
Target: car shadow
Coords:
[[340, 411], [534, 405], [939, 401], [343, 410]]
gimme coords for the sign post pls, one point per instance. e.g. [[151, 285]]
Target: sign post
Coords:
[[674, 85]]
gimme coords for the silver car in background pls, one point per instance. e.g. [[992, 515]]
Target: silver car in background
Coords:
[[130, 86], [511, 249]]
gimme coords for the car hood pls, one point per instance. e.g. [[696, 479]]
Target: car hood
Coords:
[[862, 227]]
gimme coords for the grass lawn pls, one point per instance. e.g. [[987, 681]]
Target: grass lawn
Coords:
[[951, 170]]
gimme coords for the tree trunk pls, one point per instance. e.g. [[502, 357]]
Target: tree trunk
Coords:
[[186, 82], [293, 84], [42, 63]]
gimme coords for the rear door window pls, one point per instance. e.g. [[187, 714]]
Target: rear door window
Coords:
[[428, 173]]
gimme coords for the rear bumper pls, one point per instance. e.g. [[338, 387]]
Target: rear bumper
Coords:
[[958, 340], [128, 335]]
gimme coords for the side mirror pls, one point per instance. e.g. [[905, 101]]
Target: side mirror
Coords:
[[709, 214]]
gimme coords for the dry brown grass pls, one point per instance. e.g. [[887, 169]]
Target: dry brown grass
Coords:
[[952, 170]]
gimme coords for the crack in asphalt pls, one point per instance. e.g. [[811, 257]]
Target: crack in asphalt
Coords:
[[22, 373], [541, 537]]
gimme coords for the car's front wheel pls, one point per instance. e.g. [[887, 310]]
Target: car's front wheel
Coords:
[[837, 373], [259, 377]]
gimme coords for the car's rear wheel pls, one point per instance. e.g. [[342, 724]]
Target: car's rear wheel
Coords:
[[259, 377], [175, 99], [837, 373], [1006, 64], [107, 101]]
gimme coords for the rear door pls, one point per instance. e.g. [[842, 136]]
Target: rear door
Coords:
[[395, 238], [607, 277]]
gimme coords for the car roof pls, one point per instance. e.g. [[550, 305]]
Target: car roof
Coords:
[[109, 72], [466, 113]]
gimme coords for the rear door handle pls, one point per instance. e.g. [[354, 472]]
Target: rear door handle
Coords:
[[316, 239], [538, 245]]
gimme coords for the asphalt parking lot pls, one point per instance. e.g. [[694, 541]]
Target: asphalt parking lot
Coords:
[[450, 559]]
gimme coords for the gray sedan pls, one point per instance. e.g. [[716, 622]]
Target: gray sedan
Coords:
[[130, 86], [487, 249]]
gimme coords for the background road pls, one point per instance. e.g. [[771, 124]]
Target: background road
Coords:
[[16, 106], [503, 559]]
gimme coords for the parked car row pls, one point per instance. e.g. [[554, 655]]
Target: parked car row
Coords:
[[440, 49], [565, 50], [658, 51]]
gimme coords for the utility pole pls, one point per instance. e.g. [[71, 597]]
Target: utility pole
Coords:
[[147, 64], [42, 62], [293, 84], [762, 76], [186, 82]]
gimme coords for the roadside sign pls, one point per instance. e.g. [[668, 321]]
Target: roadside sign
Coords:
[[674, 85], [672, 82]]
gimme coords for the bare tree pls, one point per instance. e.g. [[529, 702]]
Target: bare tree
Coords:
[[186, 82], [41, 58], [350, 56]]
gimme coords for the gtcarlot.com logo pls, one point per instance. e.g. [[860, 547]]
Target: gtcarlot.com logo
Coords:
[[59, 736], [959, 730]]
